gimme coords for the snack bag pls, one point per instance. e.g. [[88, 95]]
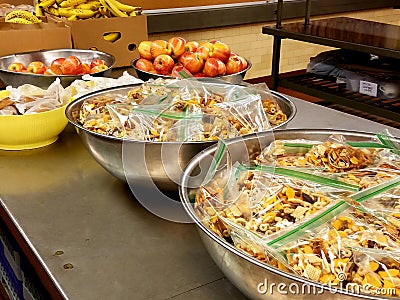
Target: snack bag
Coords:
[[376, 272], [385, 206], [334, 155], [246, 115], [329, 253]]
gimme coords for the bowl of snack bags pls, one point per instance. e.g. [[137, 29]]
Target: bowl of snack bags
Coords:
[[313, 212], [31, 117], [146, 133]]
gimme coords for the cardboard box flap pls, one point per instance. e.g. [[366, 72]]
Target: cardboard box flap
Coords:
[[88, 34], [18, 38]]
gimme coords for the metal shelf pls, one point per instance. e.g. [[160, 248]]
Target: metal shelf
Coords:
[[326, 88], [339, 32]]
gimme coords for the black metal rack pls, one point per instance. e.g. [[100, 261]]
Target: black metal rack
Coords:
[[338, 32]]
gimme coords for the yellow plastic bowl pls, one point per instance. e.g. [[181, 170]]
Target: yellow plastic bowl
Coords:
[[20, 132]]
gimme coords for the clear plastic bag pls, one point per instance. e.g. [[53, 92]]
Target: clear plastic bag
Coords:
[[29, 99], [386, 206], [330, 253], [160, 124], [334, 155]]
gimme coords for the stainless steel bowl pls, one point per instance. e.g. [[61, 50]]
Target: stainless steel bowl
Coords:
[[236, 78], [248, 274], [16, 79], [146, 158]]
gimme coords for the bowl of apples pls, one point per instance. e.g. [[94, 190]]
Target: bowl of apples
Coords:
[[180, 58], [41, 68]]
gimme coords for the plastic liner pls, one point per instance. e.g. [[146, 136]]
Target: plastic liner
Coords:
[[29, 99]]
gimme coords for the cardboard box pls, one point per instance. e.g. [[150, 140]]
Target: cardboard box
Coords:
[[88, 34], [18, 2], [17, 38]]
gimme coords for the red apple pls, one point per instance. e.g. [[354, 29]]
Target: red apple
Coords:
[[36, 67], [191, 46], [72, 65], [234, 65], [98, 68], [193, 62], [244, 61], [159, 47], [178, 46], [163, 64], [53, 70], [144, 65], [221, 68], [96, 62], [144, 50], [57, 61], [86, 69], [176, 69], [180, 71], [214, 67], [203, 52], [16, 67], [220, 50], [206, 44]]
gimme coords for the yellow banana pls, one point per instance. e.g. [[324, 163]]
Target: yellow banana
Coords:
[[59, 2], [133, 14], [38, 10], [92, 5], [19, 21], [110, 6], [47, 3], [72, 18], [65, 12], [105, 13], [83, 13], [22, 14], [53, 11], [71, 3], [123, 7], [111, 36]]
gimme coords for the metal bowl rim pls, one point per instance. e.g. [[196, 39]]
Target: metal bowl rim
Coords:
[[189, 209], [112, 57], [249, 65], [79, 100]]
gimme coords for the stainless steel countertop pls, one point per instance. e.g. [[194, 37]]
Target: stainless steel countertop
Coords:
[[61, 199]]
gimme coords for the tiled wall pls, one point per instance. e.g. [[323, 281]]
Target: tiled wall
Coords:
[[247, 40]]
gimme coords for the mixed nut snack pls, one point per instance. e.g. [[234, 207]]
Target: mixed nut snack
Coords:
[[264, 203], [159, 109], [349, 249], [325, 210], [331, 156]]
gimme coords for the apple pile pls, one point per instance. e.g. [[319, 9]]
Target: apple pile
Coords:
[[70, 65], [200, 59]]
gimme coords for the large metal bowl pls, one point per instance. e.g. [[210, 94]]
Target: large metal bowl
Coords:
[[162, 161], [16, 79], [253, 277], [236, 78]]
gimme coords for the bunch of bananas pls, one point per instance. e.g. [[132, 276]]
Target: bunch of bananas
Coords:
[[21, 17], [86, 9]]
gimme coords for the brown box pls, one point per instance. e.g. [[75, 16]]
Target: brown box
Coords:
[[88, 34], [18, 2], [16, 38]]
